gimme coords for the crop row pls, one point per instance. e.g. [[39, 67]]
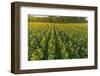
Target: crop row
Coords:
[[49, 41]]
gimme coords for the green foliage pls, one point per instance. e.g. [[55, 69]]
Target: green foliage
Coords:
[[48, 41], [56, 19]]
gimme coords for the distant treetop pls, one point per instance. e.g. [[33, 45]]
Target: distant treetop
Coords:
[[57, 19]]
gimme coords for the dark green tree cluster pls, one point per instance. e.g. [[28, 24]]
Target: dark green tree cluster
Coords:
[[57, 19]]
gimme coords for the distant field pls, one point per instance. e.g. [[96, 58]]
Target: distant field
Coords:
[[50, 41]]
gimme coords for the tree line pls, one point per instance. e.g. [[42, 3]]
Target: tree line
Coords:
[[57, 19]]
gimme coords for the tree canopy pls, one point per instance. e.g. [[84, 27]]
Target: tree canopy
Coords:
[[57, 19]]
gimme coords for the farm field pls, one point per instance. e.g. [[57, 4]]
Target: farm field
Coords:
[[51, 41]]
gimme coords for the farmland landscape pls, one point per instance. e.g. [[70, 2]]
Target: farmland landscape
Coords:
[[57, 37]]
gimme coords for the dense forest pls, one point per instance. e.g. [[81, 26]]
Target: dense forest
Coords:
[[56, 19]]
